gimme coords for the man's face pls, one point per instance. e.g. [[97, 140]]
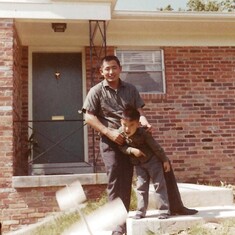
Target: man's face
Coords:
[[129, 127], [111, 71]]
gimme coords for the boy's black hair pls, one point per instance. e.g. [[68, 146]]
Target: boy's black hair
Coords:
[[130, 113], [109, 58]]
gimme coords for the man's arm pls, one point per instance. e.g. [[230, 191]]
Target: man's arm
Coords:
[[112, 134]]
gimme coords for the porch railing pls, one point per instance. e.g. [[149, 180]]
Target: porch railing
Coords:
[[32, 144]]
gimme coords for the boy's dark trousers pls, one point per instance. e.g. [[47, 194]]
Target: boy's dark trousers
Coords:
[[176, 204]]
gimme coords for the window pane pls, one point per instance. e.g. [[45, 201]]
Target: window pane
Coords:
[[145, 81], [144, 69]]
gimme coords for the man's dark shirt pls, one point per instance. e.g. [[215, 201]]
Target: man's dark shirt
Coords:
[[108, 104]]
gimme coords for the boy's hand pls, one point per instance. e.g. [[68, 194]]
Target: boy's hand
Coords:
[[166, 166], [137, 153]]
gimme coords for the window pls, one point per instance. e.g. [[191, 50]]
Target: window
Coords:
[[144, 69]]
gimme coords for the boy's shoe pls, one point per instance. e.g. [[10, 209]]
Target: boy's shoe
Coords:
[[138, 216], [184, 211], [163, 216]]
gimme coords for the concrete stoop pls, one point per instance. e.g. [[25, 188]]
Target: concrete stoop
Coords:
[[213, 203], [194, 195], [152, 225]]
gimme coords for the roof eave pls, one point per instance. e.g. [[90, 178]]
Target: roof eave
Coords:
[[173, 16]]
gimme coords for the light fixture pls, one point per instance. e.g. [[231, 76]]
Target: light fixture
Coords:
[[59, 27]]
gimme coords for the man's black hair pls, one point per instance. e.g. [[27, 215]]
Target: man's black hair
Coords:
[[109, 58], [130, 113]]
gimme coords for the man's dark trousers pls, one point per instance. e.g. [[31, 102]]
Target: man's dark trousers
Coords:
[[174, 197]]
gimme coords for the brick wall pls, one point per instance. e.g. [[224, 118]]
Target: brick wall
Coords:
[[195, 120], [19, 156], [6, 116], [20, 107], [24, 113]]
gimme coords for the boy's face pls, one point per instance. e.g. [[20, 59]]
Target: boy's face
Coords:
[[129, 127]]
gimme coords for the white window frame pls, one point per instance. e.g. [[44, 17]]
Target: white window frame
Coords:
[[161, 70]]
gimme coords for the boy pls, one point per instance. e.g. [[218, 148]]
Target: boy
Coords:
[[149, 160]]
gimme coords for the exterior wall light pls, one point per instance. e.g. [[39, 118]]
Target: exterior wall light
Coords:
[[59, 27]]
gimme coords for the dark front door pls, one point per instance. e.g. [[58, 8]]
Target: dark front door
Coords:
[[57, 125]]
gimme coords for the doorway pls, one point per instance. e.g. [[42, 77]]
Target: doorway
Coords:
[[58, 132]]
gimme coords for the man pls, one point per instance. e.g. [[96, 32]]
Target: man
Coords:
[[103, 109]]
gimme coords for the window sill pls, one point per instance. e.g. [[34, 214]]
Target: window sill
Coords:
[[32, 181]]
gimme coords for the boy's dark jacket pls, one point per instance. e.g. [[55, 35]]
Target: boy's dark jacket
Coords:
[[145, 142]]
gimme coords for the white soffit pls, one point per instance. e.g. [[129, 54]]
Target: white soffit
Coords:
[[174, 16], [59, 10], [171, 29]]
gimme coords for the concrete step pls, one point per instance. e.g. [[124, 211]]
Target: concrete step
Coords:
[[152, 225], [194, 195]]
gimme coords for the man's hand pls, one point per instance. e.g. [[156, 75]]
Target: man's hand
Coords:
[[166, 166], [115, 136], [143, 121], [148, 128]]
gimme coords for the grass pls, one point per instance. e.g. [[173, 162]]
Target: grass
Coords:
[[66, 219]]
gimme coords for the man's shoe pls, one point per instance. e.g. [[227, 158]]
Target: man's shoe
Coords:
[[184, 211], [117, 233]]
